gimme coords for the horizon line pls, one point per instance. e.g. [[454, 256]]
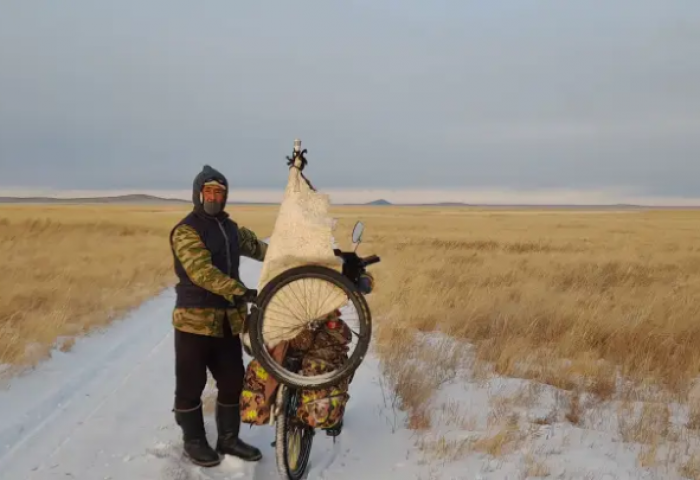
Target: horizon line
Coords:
[[467, 197]]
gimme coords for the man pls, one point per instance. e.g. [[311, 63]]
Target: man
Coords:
[[210, 309]]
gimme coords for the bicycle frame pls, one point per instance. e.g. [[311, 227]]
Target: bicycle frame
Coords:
[[291, 362]]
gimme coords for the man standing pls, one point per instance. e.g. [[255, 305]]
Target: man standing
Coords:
[[209, 312]]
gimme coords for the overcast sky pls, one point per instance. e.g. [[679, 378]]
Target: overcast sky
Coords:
[[401, 94]]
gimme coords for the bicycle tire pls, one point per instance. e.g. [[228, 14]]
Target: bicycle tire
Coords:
[[284, 424], [293, 379]]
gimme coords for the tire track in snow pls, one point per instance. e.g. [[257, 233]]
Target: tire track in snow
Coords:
[[110, 396], [36, 400], [329, 461]]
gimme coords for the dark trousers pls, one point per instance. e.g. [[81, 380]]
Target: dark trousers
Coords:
[[222, 356]]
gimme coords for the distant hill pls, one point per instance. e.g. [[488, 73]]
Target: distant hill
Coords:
[[382, 201], [136, 198], [562, 206]]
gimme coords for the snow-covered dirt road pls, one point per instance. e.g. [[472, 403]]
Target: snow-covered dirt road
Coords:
[[103, 411]]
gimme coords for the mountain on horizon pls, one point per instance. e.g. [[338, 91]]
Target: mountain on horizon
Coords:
[[131, 198], [136, 198]]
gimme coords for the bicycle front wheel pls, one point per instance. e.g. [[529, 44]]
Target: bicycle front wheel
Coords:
[[295, 303]]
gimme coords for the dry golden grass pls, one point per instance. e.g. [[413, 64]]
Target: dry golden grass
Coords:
[[601, 304], [68, 269], [569, 298], [535, 468], [691, 469], [564, 297]]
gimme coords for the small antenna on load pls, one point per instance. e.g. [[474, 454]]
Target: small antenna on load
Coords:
[[298, 154]]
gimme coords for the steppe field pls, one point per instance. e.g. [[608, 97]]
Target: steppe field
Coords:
[[601, 305]]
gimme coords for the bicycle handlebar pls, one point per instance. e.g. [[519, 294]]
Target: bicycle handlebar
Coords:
[[370, 260], [352, 256]]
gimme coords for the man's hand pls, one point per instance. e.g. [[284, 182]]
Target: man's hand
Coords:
[[250, 295]]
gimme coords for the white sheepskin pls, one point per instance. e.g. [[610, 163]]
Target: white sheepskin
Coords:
[[303, 235]]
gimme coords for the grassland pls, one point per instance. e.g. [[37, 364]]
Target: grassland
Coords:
[[599, 309], [529, 288], [597, 302], [69, 269], [572, 299]]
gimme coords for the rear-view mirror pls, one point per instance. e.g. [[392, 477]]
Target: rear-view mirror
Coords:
[[357, 232]]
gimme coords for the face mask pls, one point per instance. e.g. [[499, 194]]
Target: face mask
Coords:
[[212, 199], [212, 208]]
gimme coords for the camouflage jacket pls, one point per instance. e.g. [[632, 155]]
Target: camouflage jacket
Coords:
[[196, 260]]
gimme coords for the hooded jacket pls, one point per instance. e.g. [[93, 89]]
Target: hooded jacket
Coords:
[[206, 254]]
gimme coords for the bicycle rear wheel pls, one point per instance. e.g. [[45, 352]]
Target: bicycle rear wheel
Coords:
[[294, 303], [293, 438]]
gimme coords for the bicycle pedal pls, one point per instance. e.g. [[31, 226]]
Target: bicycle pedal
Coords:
[[334, 431]]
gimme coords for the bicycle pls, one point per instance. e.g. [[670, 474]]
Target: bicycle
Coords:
[[294, 438]]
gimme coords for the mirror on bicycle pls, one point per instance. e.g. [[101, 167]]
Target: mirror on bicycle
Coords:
[[357, 232]]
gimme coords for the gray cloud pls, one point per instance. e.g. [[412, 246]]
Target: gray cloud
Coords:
[[385, 94]]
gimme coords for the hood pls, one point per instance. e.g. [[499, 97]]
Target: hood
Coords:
[[208, 173]]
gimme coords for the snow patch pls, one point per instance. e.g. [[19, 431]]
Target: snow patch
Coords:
[[516, 428]]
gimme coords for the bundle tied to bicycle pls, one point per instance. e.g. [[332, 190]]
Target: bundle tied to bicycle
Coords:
[[309, 292], [300, 329], [299, 379], [302, 235]]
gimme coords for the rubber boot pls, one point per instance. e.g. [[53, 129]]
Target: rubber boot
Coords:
[[196, 447], [228, 424]]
